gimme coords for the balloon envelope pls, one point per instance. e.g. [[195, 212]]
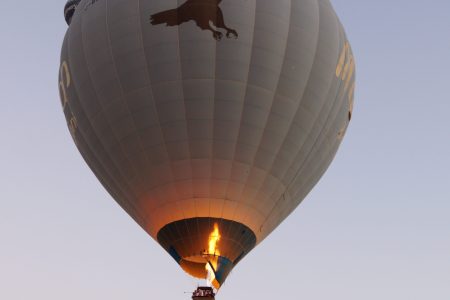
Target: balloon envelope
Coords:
[[208, 121]]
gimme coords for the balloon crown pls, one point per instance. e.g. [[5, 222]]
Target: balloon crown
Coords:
[[69, 10]]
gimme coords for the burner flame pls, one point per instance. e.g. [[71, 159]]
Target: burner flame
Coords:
[[212, 255]]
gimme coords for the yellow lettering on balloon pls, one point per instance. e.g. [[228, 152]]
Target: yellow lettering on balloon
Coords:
[[350, 73], [345, 71], [64, 83], [350, 96], [73, 126], [342, 59]]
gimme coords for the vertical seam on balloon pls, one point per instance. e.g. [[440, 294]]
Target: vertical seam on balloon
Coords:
[[92, 160], [129, 192], [185, 117], [211, 180], [122, 96], [300, 100], [100, 141], [239, 202], [294, 117], [340, 104], [242, 112], [150, 87], [302, 97], [328, 158], [309, 152], [87, 153], [214, 81], [335, 108], [271, 107], [194, 202]]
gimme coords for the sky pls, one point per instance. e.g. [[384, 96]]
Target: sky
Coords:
[[377, 225]]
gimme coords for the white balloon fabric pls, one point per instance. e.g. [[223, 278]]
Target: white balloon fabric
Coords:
[[196, 113]]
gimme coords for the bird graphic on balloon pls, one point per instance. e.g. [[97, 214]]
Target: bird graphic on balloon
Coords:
[[202, 12]]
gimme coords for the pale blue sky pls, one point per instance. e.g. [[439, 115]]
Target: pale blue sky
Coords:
[[377, 226]]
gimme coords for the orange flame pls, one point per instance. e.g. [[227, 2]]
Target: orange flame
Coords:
[[214, 238], [211, 266]]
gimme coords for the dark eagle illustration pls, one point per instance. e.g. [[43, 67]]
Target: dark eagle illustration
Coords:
[[202, 12]]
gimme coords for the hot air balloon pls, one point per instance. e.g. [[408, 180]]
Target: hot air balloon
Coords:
[[208, 121]]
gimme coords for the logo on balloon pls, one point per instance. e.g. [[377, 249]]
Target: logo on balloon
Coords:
[[202, 12]]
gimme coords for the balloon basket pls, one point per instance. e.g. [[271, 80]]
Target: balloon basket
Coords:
[[203, 293]]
